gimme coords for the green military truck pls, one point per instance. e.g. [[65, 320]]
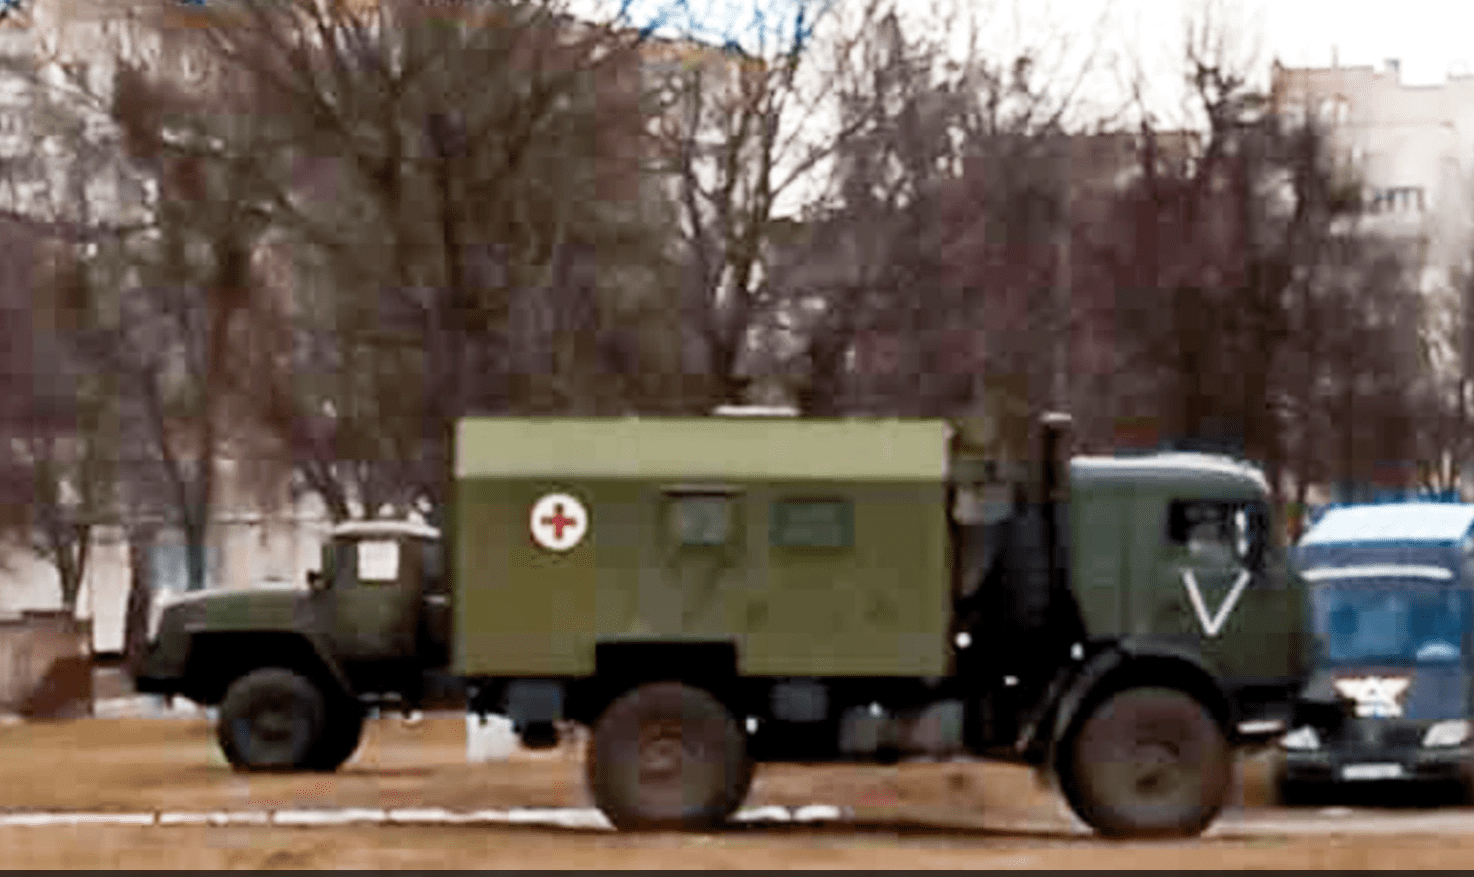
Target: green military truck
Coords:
[[707, 594]]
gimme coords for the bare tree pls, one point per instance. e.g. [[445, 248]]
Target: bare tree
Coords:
[[924, 281], [1241, 270], [61, 421], [64, 442], [427, 179], [734, 137]]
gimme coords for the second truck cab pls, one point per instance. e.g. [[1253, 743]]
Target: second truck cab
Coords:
[[1392, 590]]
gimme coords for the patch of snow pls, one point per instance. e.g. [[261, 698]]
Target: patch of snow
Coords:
[[489, 738], [419, 814], [565, 817], [1179, 460], [114, 818], [327, 817], [146, 706], [242, 818], [1430, 522], [385, 528], [764, 814], [818, 813]]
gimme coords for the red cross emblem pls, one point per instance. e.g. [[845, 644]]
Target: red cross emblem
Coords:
[[559, 522]]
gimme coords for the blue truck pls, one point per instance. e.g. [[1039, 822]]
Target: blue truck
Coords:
[[1390, 587]]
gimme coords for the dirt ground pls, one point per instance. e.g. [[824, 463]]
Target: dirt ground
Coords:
[[921, 816]]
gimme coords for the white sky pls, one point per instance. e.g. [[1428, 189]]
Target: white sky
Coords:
[[1430, 37]]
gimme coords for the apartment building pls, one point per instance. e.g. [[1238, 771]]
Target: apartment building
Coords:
[[1411, 146]]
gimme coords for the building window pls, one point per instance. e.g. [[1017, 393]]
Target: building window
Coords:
[[813, 523], [1396, 199]]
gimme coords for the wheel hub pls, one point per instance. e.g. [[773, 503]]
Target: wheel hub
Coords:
[[1156, 768], [273, 722]]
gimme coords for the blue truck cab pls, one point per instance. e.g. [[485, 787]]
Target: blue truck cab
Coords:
[[1390, 588]]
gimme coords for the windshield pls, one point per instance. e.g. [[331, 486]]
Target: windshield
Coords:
[[1391, 621]]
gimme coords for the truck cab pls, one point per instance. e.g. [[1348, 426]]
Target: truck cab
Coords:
[[292, 669], [1392, 591]]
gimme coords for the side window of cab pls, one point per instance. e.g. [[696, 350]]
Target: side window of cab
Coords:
[[1220, 533]]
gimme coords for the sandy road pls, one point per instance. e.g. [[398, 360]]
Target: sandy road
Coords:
[[915, 816]]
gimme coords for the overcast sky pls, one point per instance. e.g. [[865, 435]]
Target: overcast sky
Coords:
[[1430, 37]]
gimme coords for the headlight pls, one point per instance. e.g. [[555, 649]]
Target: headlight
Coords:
[[1301, 738], [1450, 733]]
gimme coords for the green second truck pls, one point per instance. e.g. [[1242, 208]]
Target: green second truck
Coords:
[[707, 594]]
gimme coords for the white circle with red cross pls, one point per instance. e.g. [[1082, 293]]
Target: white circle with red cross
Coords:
[[559, 522]]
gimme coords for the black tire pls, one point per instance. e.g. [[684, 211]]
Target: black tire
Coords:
[[1292, 793], [1146, 762], [341, 735], [668, 756], [271, 720], [1462, 793]]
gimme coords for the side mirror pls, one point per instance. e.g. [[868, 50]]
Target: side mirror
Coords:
[[315, 580]]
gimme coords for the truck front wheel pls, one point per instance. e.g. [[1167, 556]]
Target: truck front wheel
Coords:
[[343, 730], [1145, 762], [271, 719], [666, 755]]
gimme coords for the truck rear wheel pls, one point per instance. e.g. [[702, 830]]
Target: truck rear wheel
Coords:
[[1146, 762], [666, 755], [271, 719]]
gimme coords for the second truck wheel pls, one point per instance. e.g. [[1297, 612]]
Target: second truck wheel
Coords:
[[1145, 762], [666, 755]]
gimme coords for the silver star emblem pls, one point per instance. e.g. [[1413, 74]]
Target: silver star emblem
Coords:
[[1375, 696]]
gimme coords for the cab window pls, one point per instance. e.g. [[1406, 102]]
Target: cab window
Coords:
[[1219, 532]]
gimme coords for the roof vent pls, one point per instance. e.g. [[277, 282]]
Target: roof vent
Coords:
[[755, 411]]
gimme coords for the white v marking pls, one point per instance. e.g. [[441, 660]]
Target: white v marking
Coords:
[[1211, 626]]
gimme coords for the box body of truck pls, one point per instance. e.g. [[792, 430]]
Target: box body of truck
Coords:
[[808, 547]]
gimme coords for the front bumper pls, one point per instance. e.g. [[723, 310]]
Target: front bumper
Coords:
[[1266, 712], [1333, 766], [155, 674]]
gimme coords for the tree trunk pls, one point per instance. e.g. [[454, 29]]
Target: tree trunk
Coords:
[[71, 551], [196, 555], [140, 598]]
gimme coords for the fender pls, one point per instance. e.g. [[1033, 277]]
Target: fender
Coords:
[[306, 644], [1153, 658]]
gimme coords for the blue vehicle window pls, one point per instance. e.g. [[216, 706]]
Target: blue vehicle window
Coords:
[[1369, 621]]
